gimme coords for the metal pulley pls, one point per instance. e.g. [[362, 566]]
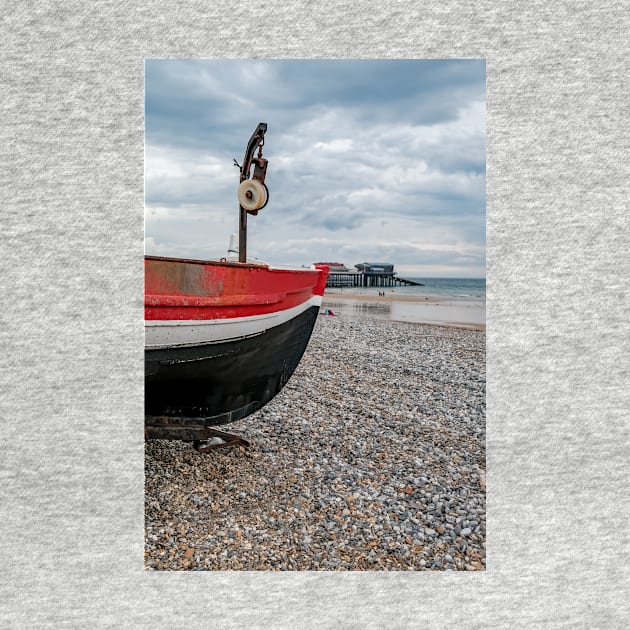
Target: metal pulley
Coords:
[[252, 195], [252, 192]]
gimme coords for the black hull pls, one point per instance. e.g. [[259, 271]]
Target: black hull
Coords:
[[222, 382]]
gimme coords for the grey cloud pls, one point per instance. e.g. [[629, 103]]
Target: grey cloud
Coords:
[[351, 144]]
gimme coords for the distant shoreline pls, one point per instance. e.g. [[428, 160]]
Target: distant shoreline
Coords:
[[388, 297]]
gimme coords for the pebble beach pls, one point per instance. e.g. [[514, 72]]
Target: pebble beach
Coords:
[[371, 458]]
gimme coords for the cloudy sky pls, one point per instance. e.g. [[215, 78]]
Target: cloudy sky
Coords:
[[369, 160]]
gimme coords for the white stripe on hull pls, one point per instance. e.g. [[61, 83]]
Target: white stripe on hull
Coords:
[[160, 334]]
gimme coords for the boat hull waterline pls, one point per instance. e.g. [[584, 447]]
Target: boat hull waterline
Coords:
[[222, 338]]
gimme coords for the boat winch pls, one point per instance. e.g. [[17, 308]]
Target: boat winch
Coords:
[[252, 193]]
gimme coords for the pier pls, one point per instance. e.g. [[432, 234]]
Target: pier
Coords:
[[365, 275]]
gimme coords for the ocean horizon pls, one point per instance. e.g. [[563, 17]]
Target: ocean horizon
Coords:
[[447, 288]]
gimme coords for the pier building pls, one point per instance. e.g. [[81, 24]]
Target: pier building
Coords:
[[364, 274]]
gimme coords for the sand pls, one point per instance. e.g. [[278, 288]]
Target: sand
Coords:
[[394, 306]]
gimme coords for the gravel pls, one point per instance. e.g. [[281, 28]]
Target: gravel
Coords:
[[371, 458]]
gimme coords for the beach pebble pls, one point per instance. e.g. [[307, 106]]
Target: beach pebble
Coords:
[[371, 458]]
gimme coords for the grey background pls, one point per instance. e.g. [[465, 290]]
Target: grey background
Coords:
[[71, 367]]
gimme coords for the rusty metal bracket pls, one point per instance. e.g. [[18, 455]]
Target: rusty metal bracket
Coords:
[[195, 430], [260, 169], [256, 141]]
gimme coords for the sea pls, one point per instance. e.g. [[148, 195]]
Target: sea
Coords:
[[446, 288], [460, 301]]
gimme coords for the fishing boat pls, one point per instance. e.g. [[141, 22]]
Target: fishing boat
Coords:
[[223, 337]]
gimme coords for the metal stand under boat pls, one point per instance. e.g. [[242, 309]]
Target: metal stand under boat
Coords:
[[224, 440], [190, 430]]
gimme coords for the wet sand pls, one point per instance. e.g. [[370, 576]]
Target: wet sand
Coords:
[[388, 297], [409, 308]]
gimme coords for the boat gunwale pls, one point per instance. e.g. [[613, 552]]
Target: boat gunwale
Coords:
[[232, 264]]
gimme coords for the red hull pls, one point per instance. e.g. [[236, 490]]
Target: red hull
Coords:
[[179, 289]]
